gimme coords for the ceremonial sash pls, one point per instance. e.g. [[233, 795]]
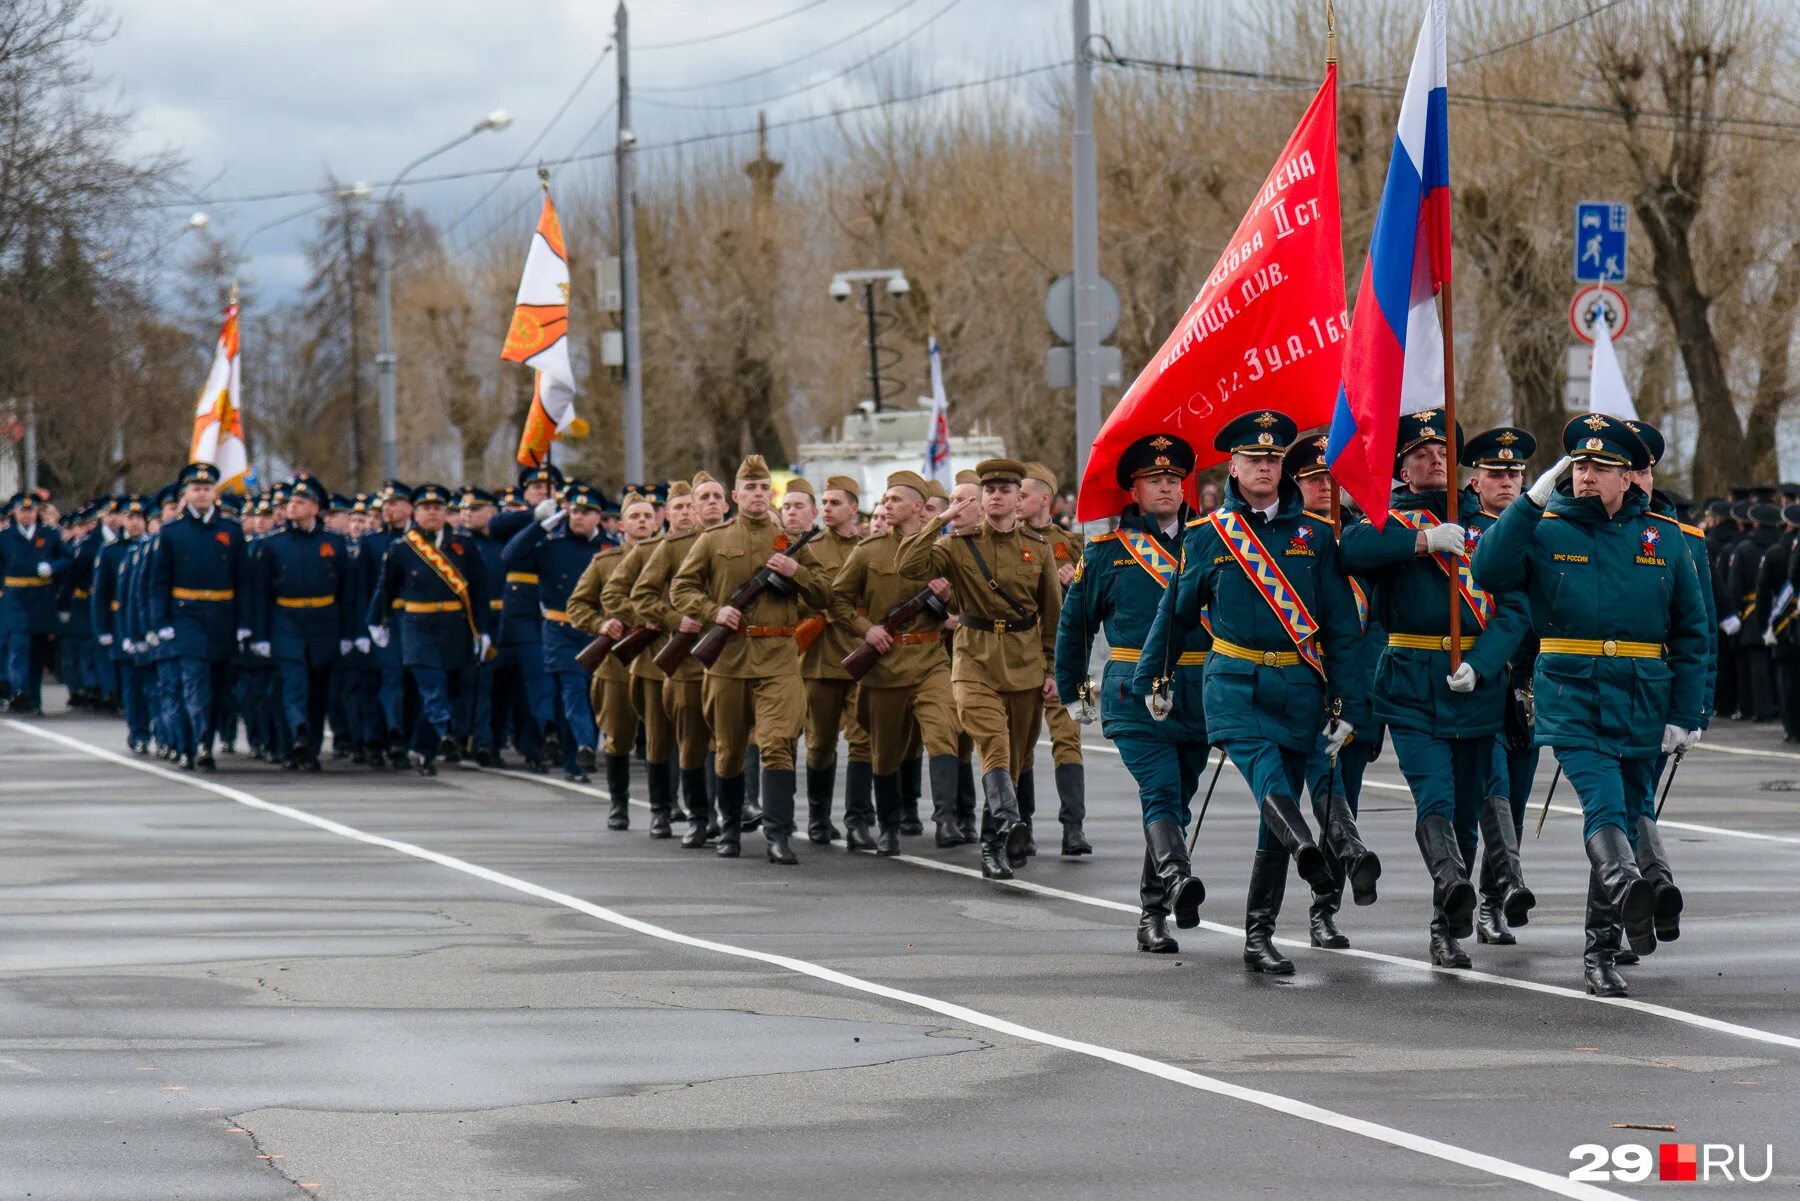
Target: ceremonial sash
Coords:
[[1271, 584], [1362, 605], [447, 572], [1456, 566], [1148, 553]]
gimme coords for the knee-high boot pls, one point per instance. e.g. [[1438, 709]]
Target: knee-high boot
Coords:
[[1183, 893], [1601, 944], [1452, 897], [1153, 919], [1631, 896], [693, 789], [618, 787], [944, 771], [1268, 881], [1653, 862]]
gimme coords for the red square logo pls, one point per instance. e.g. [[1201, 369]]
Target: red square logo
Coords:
[[1676, 1161]]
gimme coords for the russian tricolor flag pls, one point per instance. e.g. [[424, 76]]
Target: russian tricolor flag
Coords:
[[1394, 362]]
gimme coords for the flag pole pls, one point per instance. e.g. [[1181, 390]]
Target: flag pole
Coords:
[[1452, 486]]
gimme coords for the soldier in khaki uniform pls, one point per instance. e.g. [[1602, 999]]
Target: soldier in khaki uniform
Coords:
[[689, 511], [906, 697], [755, 682], [646, 679], [1036, 495], [830, 692], [610, 687], [1004, 585]]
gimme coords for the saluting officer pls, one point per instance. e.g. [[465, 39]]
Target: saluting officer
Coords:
[[1007, 597], [1621, 669], [1037, 494], [1267, 576], [1117, 586], [1445, 725], [32, 559]]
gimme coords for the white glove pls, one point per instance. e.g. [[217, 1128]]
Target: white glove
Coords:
[[544, 509], [1689, 741], [551, 522], [481, 647], [45, 571], [1463, 679], [166, 634], [131, 648], [243, 633], [1080, 714], [1160, 706], [106, 640], [261, 649], [344, 645], [1731, 625], [1545, 487], [1769, 636], [1446, 538], [362, 645], [151, 639], [1337, 733], [378, 635], [1672, 736]]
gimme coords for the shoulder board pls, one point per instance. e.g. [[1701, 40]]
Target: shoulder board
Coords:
[[1691, 530], [868, 538], [1557, 516], [1316, 516], [683, 536], [1199, 521], [611, 550], [1031, 533], [1109, 536]]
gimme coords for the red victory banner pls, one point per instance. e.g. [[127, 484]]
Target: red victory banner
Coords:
[[1267, 330]]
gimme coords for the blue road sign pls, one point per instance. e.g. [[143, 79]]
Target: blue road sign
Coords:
[[1600, 242]]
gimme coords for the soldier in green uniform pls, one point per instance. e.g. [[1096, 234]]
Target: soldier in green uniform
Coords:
[[1004, 588], [1445, 723], [1036, 496], [1617, 684], [1117, 587], [645, 679], [1267, 577]]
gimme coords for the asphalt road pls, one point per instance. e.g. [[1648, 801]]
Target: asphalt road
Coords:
[[361, 985]]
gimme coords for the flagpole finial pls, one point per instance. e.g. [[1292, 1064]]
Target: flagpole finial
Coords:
[[234, 293], [1331, 54], [544, 177]]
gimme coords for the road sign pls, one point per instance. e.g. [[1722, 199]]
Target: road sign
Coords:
[[1599, 300], [1059, 308], [1059, 367], [1578, 389], [1600, 228]]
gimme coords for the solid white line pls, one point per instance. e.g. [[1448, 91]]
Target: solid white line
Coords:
[[1405, 1140]]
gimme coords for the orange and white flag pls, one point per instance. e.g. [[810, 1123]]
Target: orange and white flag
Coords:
[[218, 421], [539, 338]]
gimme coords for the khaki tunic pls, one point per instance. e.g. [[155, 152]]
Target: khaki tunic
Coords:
[[645, 678], [681, 692], [831, 704], [610, 688], [1065, 735]]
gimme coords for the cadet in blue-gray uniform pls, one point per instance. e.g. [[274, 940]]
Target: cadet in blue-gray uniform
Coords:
[[32, 560], [199, 605], [393, 514], [522, 695], [109, 614], [1496, 461], [303, 617], [1118, 584], [435, 578], [1281, 610], [477, 509], [1336, 785], [1445, 724], [1617, 684], [75, 643]]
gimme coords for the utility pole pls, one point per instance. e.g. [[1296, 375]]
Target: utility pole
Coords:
[[356, 461], [874, 347], [628, 263], [1087, 251], [31, 459]]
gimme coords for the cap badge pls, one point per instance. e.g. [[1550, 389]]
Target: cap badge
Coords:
[[1160, 443], [1266, 419], [1595, 422]]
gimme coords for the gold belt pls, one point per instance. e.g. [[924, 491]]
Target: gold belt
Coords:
[[1232, 650], [1131, 654], [203, 594], [26, 581], [113, 605], [80, 594], [305, 602], [431, 606], [496, 604], [521, 577], [561, 615], [1593, 648], [1428, 642]]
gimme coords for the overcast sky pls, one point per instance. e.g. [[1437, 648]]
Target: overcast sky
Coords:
[[272, 95]]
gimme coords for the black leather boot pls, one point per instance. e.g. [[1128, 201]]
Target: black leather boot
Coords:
[[661, 786], [1653, 862], [859, 792], [943, 769], [1356, 864], [778, 815], [1490, 916], [1500, 845], [1071, 797], [819, 784], [889, 812], [1323, 929], [1600, 948], [1629, 895], [1002, 814], [1025, 789], [1445, 950], [1268, 881], [1452, 895], [1281, 813], [911, 778], [731, 816], [1153, 923], [994, 864], [1183, 893], [753, 782], [693, 787], [618, 787]]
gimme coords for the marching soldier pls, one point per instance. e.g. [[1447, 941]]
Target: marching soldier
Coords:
[[755, 681], [1742, 623], [1268, 578], [1444, 724], [1004, 588], [1036, 497], [610, 690], [75, 644], [200, 607], [32, 560], [477, 508], [521, 689], [906, 694], [1618, 684], [109, 619], [436, 580], [392, 691], [1117, 586], [616, 615]]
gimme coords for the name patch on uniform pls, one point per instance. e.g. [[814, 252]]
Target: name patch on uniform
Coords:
[[1218, 559], [1562, 558], [1301, 542], [1648, 542], [1650, 561]]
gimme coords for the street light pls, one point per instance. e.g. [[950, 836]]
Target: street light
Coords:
[[384, 362], [896, 286]]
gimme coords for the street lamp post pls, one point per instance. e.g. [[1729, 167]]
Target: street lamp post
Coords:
[[896, 286], [384, 362]]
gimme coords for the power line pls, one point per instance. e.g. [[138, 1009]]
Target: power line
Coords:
[[729, 33], [782, 66], [853, 67]]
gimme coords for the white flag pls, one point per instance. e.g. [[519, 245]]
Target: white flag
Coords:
[[218, 418], [1607, 392], [937, 437]]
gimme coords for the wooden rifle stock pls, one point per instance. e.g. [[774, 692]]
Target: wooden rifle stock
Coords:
[[633, 644], [859, 661], [589, 657], [675, 651], [712, 643]]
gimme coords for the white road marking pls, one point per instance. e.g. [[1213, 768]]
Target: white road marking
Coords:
[[1449, 1153], [17, 1065]]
